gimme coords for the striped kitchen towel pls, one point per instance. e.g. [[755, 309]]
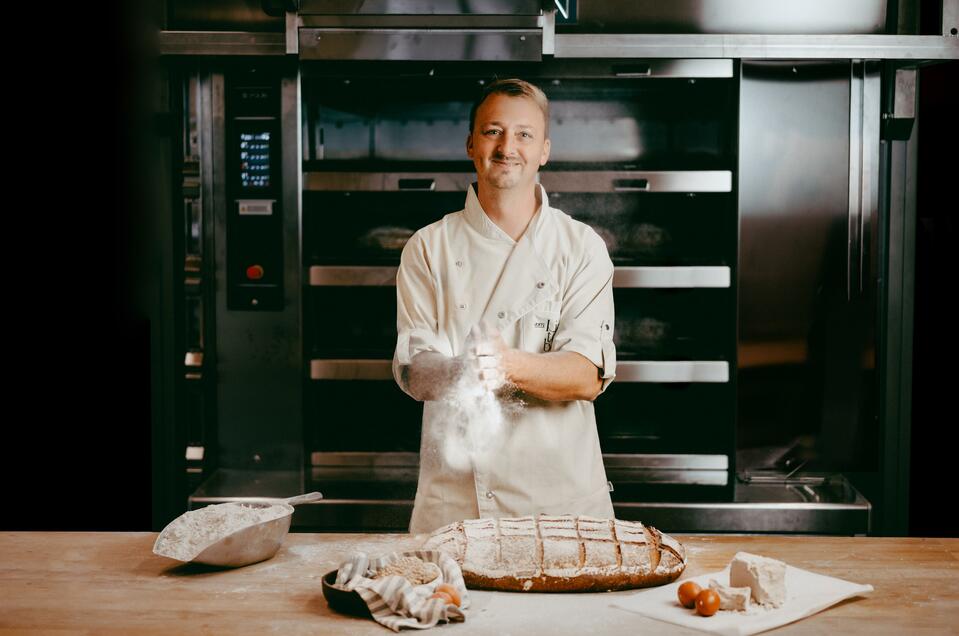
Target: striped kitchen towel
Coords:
[[393, 601]]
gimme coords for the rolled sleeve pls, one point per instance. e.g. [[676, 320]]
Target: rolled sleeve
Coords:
[[587, 317], [417, 323]]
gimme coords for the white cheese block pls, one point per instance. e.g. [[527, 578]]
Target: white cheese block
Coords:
[[731, 598], [764, 576]]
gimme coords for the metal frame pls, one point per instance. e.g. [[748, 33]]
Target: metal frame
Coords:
[[426, 10], [383, 467], [853, 518], [897, 231], [950, 18], [863, 172], [193, 43], [489, 45], [849, 517], [167, 474], [258, 430], [911, 48], [901, 44], [914, 48], [420, 22]]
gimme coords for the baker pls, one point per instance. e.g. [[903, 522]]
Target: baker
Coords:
[[519, 295]]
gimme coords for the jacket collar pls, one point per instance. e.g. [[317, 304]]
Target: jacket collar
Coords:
[[478, 219], [526, 280]]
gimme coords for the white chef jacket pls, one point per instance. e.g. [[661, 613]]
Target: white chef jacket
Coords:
[[549, 291]]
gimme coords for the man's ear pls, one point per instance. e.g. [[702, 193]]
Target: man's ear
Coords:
[[469, 145], [545, 157]]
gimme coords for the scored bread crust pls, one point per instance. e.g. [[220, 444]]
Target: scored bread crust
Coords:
[[562, 553]]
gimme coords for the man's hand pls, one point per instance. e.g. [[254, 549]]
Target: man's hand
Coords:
[[556, 376], [485, 349], [431, 375]]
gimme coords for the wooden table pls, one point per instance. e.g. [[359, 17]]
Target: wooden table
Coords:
[[112, 583]]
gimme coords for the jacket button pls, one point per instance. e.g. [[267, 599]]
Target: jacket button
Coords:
[[540, 285], [489, 494], [501, 315]]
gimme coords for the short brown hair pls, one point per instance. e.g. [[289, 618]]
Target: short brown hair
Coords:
[[514, 88]]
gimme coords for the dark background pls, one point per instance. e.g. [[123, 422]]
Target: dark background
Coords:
[[77, 418]]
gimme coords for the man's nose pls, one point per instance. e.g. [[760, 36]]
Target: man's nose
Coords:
[[506, 145]]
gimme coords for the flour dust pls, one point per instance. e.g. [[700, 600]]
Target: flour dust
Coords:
[[475, 421]]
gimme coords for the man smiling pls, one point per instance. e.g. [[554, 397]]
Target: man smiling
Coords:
[[519, 295]]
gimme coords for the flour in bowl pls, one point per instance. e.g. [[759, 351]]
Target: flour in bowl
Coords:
[[192, 532]]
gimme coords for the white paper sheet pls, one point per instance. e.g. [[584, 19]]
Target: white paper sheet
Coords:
[[806, 594]]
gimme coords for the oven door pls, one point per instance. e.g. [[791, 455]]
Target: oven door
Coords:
[[644, 152]]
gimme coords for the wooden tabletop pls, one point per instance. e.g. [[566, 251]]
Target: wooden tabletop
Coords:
[[112, 583]]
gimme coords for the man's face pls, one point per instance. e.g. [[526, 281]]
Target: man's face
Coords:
[[508, 143]]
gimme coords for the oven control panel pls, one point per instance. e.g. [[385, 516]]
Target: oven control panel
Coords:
[[254, 251]]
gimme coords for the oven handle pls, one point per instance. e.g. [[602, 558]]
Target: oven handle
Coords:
[[680, 277], [658, 371], [630, 185], [652, 181], [864, 134], [427, 185], [624, 461], [636, 70], [655, 371], [574, 181]]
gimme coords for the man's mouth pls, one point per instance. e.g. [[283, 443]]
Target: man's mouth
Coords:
[[506, 163]]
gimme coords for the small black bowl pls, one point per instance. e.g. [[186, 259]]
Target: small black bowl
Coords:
[[342, 600]]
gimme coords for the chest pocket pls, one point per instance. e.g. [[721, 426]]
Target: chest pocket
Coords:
[[539, 327]]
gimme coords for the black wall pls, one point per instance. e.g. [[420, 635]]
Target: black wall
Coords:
[[934, 416]]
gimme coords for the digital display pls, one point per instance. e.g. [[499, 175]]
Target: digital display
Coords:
[[254, 94], [255, 160]]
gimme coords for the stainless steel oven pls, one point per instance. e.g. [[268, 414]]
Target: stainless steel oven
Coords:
[[750, 207], [385, 156]]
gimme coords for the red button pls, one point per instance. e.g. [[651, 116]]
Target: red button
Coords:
[[254, 272]]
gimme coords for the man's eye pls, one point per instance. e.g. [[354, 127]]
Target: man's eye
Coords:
[[491, 132], [526, 134]]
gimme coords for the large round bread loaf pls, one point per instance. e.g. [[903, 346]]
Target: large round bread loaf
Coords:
[[560, 553]]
